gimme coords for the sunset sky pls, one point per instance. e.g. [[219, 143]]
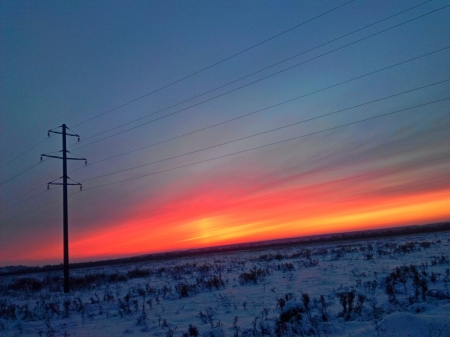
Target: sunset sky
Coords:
[[214, 112]]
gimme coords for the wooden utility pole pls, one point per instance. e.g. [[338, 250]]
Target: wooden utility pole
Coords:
[[64, 177]]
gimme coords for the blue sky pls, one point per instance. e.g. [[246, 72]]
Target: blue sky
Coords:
[[67, 62]]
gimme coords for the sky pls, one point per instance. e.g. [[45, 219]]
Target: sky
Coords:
[[207, 123]]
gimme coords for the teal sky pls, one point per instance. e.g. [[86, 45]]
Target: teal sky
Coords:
[[70, 61]]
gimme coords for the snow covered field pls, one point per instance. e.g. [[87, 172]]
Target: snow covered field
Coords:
[[380, 287]]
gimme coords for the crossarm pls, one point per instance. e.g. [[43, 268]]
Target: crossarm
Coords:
[[57, 157]]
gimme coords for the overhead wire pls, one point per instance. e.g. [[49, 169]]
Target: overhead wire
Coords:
[[33, 196], [236, 153], [245, 115], [31, 148], [22, 153], [34, 189], [21, 202], [215, 64], [26, 170], [271, 144], [35, 209], [258, 71], [253, 82], [272, 106], [265, 132], [254, 112], [253, 135], [240, 117], [21, 195], [22, 172]]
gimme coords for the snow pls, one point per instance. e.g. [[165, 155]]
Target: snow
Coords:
[[328, 289]]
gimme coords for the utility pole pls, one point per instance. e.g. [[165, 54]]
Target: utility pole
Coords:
[[64, 177]]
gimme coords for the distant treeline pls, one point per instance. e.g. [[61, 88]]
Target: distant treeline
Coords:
[[361, 235]]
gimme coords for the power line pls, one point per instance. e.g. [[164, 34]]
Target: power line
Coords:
[[255, 111], [35, 209], [251, 83], [31, 148], [295, 123], [267, 145], [34, 189], [21, 154], [215, 64], [235, 153], [17, 204], [19, 174], [29, 198], [239, 117], [263, 132], [20, 195], [26, 170], [258, 71], [313, 92], [264, 109]]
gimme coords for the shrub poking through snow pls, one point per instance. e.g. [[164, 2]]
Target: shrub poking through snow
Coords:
[[186, 290], [323, 308], [136, 298], [288, 322], [305, 300], [253, 276], [214, 282], [359, 303], [27, 284], [346, 299]]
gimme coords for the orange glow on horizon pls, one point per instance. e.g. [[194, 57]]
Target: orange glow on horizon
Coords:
[[251, 222], [210, 215]]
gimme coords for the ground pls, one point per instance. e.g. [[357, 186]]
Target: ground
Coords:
[[397, 286]]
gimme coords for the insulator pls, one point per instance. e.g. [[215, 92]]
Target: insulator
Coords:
[[48, 187], [78, 139], [41, 159], [81, 188], [85, 163]]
